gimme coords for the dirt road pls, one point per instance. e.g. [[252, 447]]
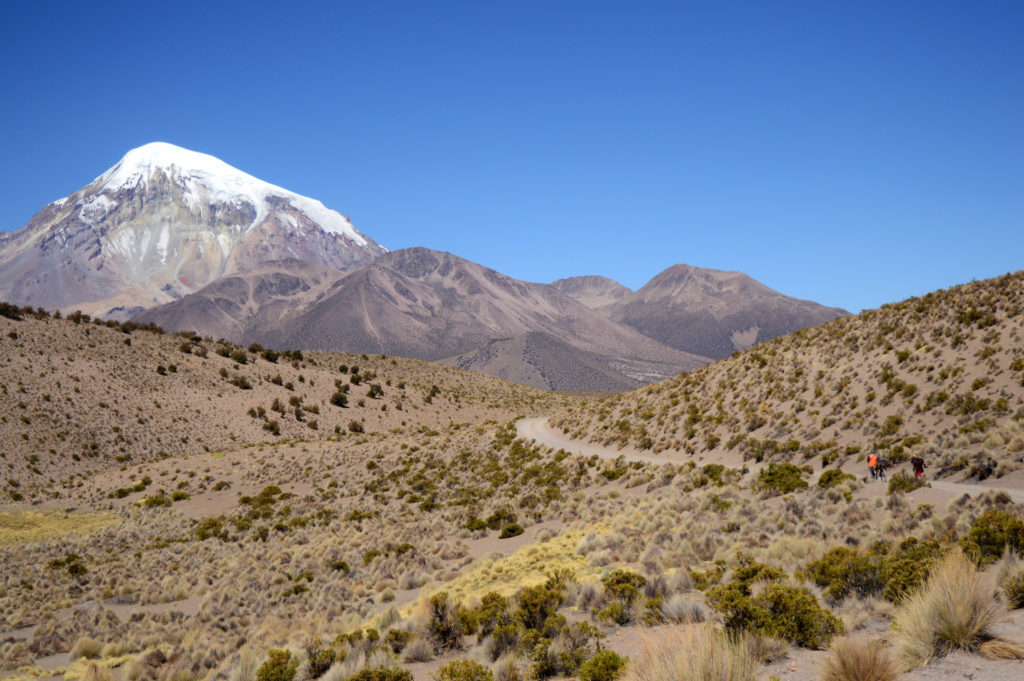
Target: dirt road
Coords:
[[538, 430]]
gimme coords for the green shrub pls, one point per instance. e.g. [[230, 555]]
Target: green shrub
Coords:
[[339, 399], [279, 666], [397, 639], [381, 674], [902, 483], [991, 533], [605, 665], [444, 628], [786, 612], [511, 530], [239, 356], [844, 570], [833, 477], [464, 670], [905, 568], [781, 478], [623, 585]]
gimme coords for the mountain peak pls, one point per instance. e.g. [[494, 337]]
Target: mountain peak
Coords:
[[162, 223]]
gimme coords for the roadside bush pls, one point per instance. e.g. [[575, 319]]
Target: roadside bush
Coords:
[[833, 477], [781, 478], [901, 483]]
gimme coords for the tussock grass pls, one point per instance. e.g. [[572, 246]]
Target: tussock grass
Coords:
[[858, 659], [692, 653], [955, 609], [23, 527]]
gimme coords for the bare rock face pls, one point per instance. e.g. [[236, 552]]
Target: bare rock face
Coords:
[[162, 223], [703, 311]]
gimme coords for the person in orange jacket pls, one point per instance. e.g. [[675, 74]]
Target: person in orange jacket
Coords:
[[872, 464]]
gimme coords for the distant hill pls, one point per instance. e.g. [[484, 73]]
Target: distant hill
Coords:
[[706, 312], [434, 305], [941, 375]]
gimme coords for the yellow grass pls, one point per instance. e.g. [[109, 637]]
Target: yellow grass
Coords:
[[23, 527], [528, 566]]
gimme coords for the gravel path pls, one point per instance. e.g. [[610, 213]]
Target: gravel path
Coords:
[[538, 430]]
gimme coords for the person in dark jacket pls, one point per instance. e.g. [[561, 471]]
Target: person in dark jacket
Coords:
[[918, 464]]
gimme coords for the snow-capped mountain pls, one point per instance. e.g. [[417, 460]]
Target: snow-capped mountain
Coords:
[[162, 223]]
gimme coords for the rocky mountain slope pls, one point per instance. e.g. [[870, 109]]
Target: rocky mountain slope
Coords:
[[162, 223], [940, 375], [703, 311], [433, 305], [262, 298]]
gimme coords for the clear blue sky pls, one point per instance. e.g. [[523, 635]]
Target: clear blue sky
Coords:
[[851, 153]]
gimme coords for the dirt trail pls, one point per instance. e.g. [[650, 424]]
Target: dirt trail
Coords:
[[538, 430]]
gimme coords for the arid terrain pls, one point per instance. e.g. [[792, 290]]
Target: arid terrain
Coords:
[[182, 509]]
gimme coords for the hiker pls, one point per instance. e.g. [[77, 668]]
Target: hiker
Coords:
[[872, 463], [918, 464]]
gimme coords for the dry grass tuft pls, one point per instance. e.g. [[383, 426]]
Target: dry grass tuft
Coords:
[[858, 659], [1001, 649], [692, 653], [953, 610]]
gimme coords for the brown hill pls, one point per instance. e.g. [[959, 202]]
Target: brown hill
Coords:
[[939, 375], [433, 305], [81, 396], [707, 312], [263, 297]]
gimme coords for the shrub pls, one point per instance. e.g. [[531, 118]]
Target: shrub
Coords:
[[444, 627], [319, 658], [239, 356], [833, 477], [355, 427], [339, 399], [781, 478], [902, 483], [624, 585], [953, 610], [279, 666], [786, 612], [511, 530], [992, 533], [381, 674], [605, 665], [858, 660], [464, 670], [692, 653], [842, 570]]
